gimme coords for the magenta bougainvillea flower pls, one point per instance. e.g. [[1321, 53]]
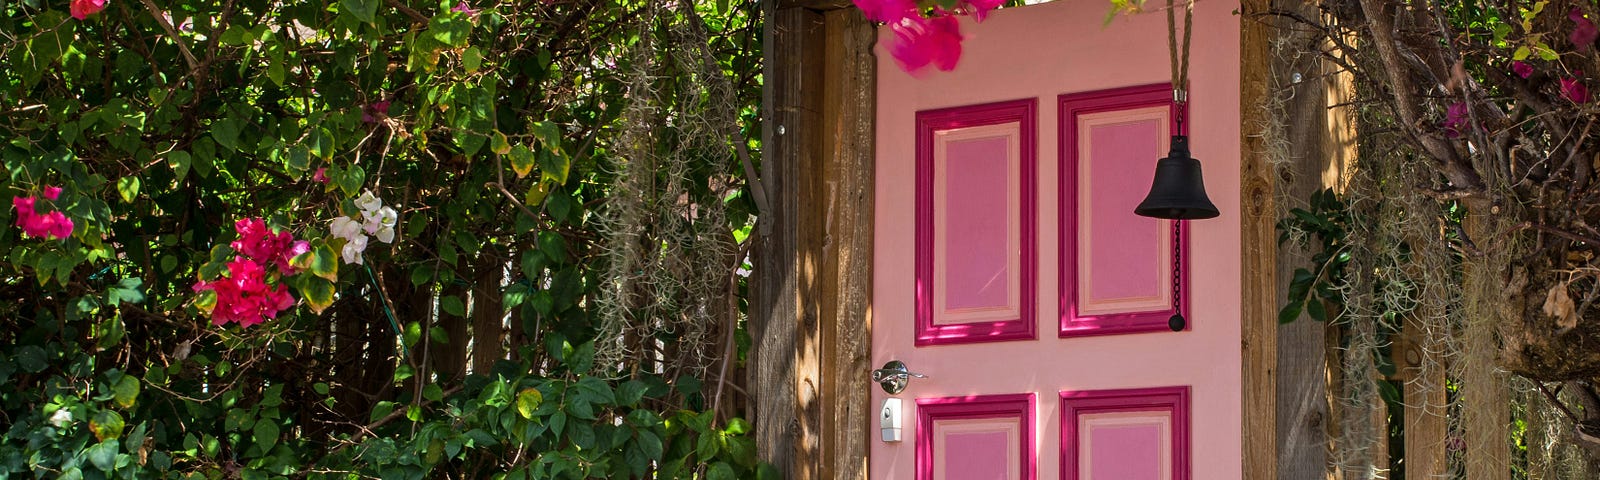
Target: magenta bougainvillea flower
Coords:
[[1455, 117], [980, 8], [919, 42], [50, 226], [321, 176], [375, 111], [1521, 68], [1583, 30], [259, 243], [1574, 90], [82, 9], [243, 296], [887, 11], [462, 7]]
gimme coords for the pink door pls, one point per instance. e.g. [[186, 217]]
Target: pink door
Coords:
[[1011, 271]]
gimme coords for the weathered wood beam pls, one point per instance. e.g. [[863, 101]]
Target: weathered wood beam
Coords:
[[845, 208], [783, 326], [1258, 323], [1319, 151]]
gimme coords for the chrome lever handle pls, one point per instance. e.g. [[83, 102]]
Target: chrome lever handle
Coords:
[[894, 376]]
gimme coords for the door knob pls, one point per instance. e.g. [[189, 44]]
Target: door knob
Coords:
[[894, 376]]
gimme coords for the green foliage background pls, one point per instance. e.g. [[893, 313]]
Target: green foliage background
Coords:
[[166, 121]]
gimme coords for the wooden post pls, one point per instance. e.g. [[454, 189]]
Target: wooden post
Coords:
[[814, 276], [786, 357], [1259, 336], [848, 114], [1319, 133]]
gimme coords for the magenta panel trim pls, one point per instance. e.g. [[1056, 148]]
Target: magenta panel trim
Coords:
[[1023, 113], [1172, 400], [1074, 324], [1017, 405]]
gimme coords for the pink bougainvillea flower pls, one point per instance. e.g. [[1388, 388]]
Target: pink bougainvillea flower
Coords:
[[321, 176], [52, 193], [1521, 68], [50, 226], [462, 7], [1574, 90], [980, 8], [82, 9], [1583, 30], [375, 111], [261, 244], [243, 296], [919, 42], [1455, 117], [887, 11]]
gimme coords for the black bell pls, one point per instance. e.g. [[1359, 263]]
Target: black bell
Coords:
[[1179, 191]]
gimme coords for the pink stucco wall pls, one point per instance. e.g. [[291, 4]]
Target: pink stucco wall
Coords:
[[1042, 51]]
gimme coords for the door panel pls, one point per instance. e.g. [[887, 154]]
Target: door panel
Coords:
[[975, 223], [986, 437], [1003, 206], [1116, 269], [1133, 434]]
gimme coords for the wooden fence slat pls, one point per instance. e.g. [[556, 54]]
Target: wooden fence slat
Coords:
[[1258, 322], [846, 205]]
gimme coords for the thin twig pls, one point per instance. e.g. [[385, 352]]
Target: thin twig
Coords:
[[161, 19]]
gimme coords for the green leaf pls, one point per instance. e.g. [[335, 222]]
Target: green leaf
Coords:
[[451, 304], [1315, 310], [721, 471], [558, 423], [450, 30], [1289, 313], [498, 143], [1545, 53], [106, 424], [352, 180], [103, 455], [554, 166], [31, 358], [325, 263], [179, 160], [126, 391], [522, 160], [318, 293], [128, 188], [650, 443], [1521, 53], [472, 59], [433, 392], [364, 10], [266, 434], [226, 132], [528, 401], [553, 246]]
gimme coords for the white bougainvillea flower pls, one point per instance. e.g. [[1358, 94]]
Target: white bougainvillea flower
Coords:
[[384, 218], [353, 248], [61, 418], [385, 234], [345, 227], [368, 202]]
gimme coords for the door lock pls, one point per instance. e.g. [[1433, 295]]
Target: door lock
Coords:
[[894, 376]]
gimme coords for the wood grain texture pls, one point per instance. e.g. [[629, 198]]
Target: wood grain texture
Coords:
[[1313, 147], [1259, 282], [783, 328], [846, 206]]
